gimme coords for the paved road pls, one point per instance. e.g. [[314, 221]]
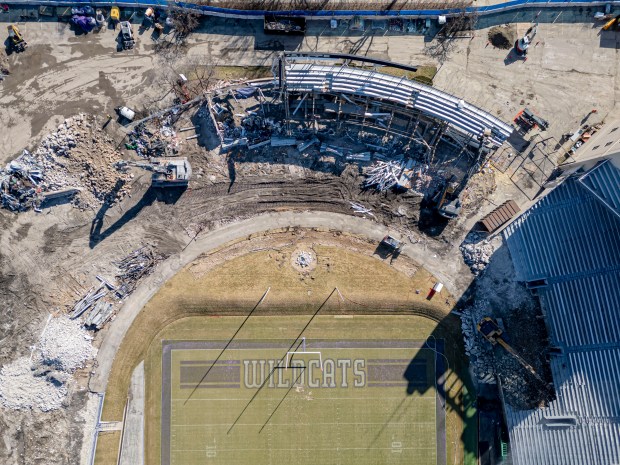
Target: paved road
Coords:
[[447, 267], [132, 451]]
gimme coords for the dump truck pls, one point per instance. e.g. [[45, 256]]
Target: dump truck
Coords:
[[16, 40], [491, 331], [167, 172]]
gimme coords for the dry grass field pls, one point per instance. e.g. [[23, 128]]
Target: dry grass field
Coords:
[[210, 298]]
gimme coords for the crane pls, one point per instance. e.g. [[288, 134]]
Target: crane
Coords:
[[167, 172]]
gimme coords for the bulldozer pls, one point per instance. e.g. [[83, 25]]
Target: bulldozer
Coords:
[[491, 331], [16, 39], [167, 172]]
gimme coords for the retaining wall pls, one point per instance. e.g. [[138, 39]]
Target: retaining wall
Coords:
[[514, 5]]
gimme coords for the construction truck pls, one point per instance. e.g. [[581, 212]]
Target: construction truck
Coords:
[[167, 172], [522, 44], [127, 35], [448, 203], [491, 331], [115, 16], [16, 40], [391, 243], [528, 120]]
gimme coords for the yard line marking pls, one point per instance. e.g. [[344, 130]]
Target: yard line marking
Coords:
[[414, 399], [309, 449], [410, 423]]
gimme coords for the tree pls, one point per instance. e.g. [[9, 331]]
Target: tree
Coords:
[[184, 22]]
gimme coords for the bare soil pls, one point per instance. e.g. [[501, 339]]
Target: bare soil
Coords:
[[503, 37]]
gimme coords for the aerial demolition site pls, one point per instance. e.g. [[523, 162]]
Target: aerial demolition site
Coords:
[[303, 238]]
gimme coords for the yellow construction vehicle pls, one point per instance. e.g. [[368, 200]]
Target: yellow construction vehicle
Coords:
[[612, 24], [16, 39], [448, 202], [491, 331], [115, 15]]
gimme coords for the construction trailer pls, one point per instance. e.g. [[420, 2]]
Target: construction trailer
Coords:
[[500, 216]]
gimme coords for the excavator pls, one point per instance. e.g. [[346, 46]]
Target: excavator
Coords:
[[16, 39], [167, 172], [491, 331], [448, 201]]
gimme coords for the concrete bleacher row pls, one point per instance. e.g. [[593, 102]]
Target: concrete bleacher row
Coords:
[[461, 115]]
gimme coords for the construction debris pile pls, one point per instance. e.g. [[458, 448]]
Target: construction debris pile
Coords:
[[155, 138], [477, 252], [398, 173], [304, 259], [100, 309], [64, 345], [98, 305], [40, 381], [133, 267], [477, 349], [4, 65], [358, 208], [74, 161]]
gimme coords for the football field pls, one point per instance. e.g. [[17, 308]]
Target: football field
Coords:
[[268, 402]]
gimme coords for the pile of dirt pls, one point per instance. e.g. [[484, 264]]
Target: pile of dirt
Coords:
[[502, 37]]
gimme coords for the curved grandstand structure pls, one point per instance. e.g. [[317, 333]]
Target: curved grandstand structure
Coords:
[[465, 118]]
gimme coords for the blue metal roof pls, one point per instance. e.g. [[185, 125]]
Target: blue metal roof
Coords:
[[571, 237], [604, 182]]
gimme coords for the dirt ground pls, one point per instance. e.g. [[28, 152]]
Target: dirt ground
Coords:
[[49, 260]]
